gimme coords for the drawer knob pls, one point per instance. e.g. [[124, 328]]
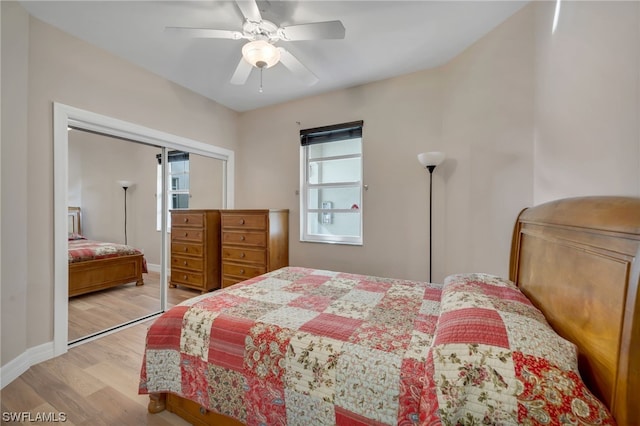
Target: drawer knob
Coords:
[[242, 238], [186, 249], [185, 262], [241, 271], [242, 255], [241, 221], [186, 234], [186, 219], [184, 277]]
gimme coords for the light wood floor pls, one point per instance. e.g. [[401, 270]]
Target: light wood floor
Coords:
[[94, 312], [95, 383]]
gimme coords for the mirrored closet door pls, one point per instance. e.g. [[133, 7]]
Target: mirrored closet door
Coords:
[[115, 203]]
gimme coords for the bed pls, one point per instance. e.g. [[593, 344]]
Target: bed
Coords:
[[98, 265], [557, 343]]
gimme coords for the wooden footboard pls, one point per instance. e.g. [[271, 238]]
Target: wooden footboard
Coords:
[[94, 275], [188, 410]]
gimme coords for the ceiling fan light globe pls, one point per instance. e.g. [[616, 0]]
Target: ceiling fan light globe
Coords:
[[261, 54]]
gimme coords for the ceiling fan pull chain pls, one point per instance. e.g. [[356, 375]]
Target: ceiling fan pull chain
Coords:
[[260, 90]]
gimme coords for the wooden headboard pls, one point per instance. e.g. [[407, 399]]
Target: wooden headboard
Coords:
[[73, 219], [578, 260]]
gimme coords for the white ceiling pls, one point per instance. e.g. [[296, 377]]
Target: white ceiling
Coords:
[[383, 39]]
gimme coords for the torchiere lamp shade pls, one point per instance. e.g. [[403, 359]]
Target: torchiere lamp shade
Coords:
[[433, 158]]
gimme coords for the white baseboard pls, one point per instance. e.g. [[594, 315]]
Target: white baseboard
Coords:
[[32, 356], [152, 267]]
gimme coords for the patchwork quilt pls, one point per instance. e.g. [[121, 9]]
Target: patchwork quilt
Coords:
[[82, 249], [495, 360], [298, 346], [303, 346]]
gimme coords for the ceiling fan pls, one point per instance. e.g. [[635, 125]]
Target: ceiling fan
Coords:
[[260, 51]]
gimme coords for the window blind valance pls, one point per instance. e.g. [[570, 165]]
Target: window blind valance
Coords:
[[334, 133], [174, 156]]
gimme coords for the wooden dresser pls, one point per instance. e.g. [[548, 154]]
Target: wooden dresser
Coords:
[[195, 249], [253, 242]]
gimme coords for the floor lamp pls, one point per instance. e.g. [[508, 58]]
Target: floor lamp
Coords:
[[125, 184], [430, 160]]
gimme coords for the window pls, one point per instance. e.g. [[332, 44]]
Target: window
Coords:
[[331, 184], [178, 190]]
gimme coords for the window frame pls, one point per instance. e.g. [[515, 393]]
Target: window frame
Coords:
[[321, 135], [172, 156]]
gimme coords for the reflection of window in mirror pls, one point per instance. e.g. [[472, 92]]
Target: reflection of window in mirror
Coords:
[[178, 192]]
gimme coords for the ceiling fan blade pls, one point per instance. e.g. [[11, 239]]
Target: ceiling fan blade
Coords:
[[241, 73], [204, 33], [249, 10], [313, 31], [295, 66]]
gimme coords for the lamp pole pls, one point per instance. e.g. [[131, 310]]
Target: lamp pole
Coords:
[[125, 214], [431, 169], [430, 161], [125, 184]]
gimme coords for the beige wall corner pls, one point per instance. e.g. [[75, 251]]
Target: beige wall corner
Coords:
[[13, 283], [587, 100]]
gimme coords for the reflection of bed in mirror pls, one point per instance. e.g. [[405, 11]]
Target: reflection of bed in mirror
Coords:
[[97, 265], [298, 345]]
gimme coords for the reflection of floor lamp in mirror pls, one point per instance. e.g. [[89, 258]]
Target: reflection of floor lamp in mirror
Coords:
[[430, 160], [125, 184]]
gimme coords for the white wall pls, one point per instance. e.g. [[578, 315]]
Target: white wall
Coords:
[[587, 100]]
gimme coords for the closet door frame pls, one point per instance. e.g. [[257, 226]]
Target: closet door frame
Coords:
[[65, 117]]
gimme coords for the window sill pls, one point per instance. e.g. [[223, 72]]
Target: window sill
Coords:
[[344, 243]]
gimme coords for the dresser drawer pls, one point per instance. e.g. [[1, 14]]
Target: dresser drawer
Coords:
[[187, 234], [257, 239], [195, 249], [185, 248], [246, 221], [187, 219], [242, 271], [244, 255], [192, 263], [185, 277]]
